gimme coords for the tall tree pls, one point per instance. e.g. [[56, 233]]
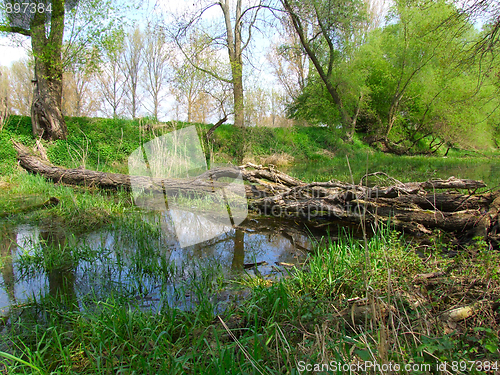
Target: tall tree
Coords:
[[191, 86], [111, 77], [79, 89], [233, 30], [156, 58], [44, 22], [133, 61], [333, 25]]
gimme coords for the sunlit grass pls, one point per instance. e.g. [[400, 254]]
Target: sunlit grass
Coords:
[[305, 316]]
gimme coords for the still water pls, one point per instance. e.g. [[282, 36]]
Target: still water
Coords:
[[140, 262]]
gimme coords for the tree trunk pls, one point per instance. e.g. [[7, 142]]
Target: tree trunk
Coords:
[[215, 126], [46, 109], [416, 207], [239, 109], [234, 46], [46, 115], [325, 76]]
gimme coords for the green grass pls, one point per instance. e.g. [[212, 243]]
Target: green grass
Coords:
[[305, 316], [282, 323], [319, 153]]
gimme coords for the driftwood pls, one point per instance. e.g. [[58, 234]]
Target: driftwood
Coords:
[[415, 207]]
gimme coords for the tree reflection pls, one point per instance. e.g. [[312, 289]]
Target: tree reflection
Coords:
[[239, 250], [8, 242], [61, 269]]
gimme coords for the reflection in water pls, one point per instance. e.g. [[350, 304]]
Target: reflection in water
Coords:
[[239, 250], [7, 243], [60, 274], [138, 261]]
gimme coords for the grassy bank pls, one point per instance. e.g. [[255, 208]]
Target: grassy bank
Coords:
[[306, 152], [309, 153]]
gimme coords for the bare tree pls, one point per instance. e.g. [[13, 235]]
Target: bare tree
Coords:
[[79, 94], [191, 86], [233, 31], [133, 61], [488, 13], [156, 58], [288, 60], [21, 88], [111, 78], [79, 84], [257, 105]]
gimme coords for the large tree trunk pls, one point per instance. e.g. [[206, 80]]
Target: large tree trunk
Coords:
[[416, 207], [46, 109], [46, 115]]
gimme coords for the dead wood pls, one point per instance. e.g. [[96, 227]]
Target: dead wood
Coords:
[[451, 205]]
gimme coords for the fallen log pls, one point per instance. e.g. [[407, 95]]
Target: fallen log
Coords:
[[415, 207]]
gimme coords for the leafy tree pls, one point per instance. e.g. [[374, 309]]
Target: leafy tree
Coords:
[[419, 86], [327, 31], [44, 21]]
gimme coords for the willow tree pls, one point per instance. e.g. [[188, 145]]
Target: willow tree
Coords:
[[328, 32], [44, 22]]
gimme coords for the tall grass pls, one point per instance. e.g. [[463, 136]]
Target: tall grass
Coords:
[[318, 314], [350, 301]]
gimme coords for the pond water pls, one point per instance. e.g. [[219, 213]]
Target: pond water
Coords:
[[139, 261]]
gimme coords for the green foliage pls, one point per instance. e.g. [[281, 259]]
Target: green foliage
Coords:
[[271, 330], [413, 82]]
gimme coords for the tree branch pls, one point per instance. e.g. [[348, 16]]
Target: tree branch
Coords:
[[15, 29]]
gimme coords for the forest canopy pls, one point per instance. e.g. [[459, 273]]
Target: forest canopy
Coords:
[[411, 84]]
